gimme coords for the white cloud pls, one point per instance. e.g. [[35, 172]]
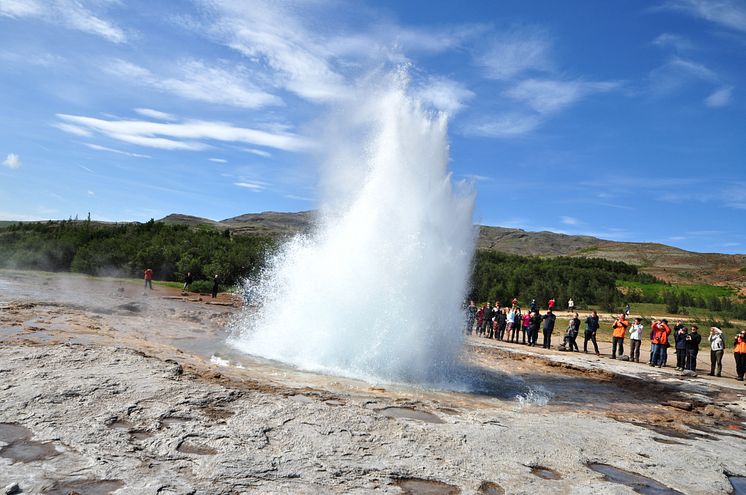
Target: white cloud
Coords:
[[91, 193], [71, 14], [185, 135], [676, 41], [503, 126], [12, 161], [514, 54], [569, 220], [72, 129], [196, 81], [720, 97], [217, 160], [112, 150], [444, 94], [254, 186], [548, 96], [728, 13], [254, 151], [155, 114]]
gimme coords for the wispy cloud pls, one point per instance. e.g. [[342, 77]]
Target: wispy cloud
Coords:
[[676, 41], [254, 151], [720, 97], [677, 73], [71, 14], [445, 94], [72, 129], [12, 161], [254, 186], [196, 81], [506, 125], [549, 96], [155, 114], [98, 147], [184, 135], [217, 160], [727, 13], [569, 220], [515, 53]]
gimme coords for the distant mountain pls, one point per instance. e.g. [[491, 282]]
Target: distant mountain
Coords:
[[666, 262]]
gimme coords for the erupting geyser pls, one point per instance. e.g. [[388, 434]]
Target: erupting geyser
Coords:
[[375, 291]]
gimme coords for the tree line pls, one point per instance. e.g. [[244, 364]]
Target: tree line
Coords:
[[126, 249]]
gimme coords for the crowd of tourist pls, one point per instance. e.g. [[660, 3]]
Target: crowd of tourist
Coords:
[[512, 324]]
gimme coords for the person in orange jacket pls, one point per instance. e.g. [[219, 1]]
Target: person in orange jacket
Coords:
[[659, 338], [617, 337], [739, 352]]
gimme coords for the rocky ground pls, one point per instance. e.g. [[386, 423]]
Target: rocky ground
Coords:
[[106, 389]]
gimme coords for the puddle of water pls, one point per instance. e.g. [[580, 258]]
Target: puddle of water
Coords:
[[416, 486], [12, 432], [545, 473], [739, 484], [121, 424], [85, 487], [190, 448], [490, 488], [170, 421], [28, 451], [639, 483], [410, 413]]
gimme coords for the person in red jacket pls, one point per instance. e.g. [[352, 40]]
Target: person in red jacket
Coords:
[[659, 338], [619, 331], [148, 273]]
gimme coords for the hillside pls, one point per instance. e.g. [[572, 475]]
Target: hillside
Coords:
[[666, 262]]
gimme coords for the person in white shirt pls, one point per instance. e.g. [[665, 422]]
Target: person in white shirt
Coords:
[[717, 344], [635, 337]]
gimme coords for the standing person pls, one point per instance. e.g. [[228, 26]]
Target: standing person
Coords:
[[517, 323], [692, 348], [534, 328], [526, 326], [591, 327], [627, 309], [717, 345], [570, 305], [635, 340], [660, 336], [739, 352], [148, 275], [486, 320], [471, 316], [619, 330], [550, 304], [533, 305], [501, 322], [549, 320], [680, 334], [188, 281], [509, 319], [215, 286], [573, 327], [480, 318]]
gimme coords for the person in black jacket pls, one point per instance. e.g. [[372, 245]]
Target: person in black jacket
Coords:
[[591, 327], [680, 336], [534, 328], [501, 321], [692, 348], [549, 320], [215, 286]]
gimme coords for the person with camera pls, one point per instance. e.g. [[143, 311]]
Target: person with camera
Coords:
[[717, 345], [739, 352], [692, 348], [619, 330]]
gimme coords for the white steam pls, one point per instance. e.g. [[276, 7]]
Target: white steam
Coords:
[[375, 292]]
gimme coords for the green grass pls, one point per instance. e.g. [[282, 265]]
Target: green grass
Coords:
[[695, 290]]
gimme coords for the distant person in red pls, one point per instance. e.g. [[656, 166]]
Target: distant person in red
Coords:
[[551, 304], [148, 278]]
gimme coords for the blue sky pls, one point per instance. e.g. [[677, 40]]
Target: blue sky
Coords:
[[620, 119]]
